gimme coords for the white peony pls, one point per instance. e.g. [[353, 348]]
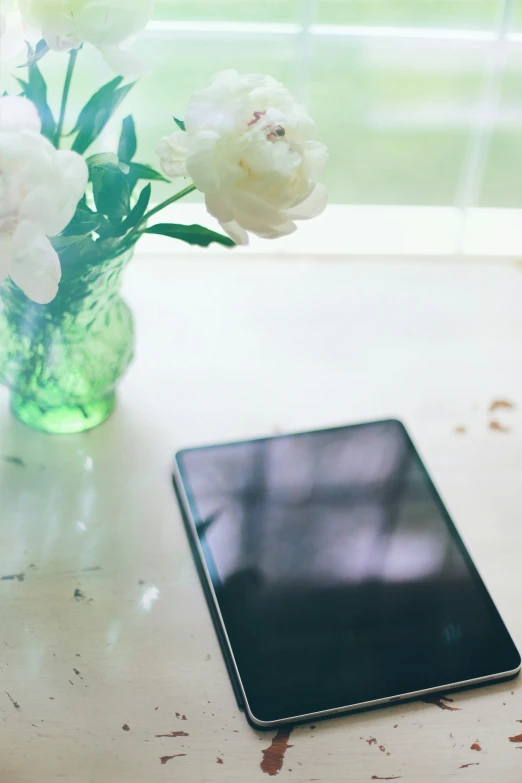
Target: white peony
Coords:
[[66, 24], [6, 9], [248, 146], [12, 32], [40, 188]]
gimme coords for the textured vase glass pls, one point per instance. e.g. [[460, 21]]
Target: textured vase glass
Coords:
[[62, 361]]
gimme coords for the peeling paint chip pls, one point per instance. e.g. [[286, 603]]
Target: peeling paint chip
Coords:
[[164, 759], [273, 756], [438, 701], [465, 766], [13, 702], [219, 761], [476, 746], [516, 738], [173, 734], [497, 427], [500, 404], [126, 727]]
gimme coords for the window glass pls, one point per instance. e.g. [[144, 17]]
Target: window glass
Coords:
[[417, 116], [473, 14]]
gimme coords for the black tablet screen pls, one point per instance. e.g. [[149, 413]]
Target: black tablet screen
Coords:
[[339, 575]]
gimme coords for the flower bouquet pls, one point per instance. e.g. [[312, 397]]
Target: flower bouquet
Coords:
[[70, 218]]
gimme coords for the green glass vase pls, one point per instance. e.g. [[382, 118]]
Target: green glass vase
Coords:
[[62, 361]]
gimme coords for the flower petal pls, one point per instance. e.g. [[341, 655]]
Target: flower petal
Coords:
[[110, 23], [51, 17], [235, 232], [74, 171], [35, 267], [250, 210], [68, 23], [124, 62], [12, 36], [201, 161], [74, 176], [312, 206], [211, 107], [220, 206], [256, 225], [299, 124], [315, 155], [17, 114], [55, 191], [173, 152]]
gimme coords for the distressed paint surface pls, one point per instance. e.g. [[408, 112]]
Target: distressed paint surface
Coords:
[[441, 702], [274, 755], [109, 588]]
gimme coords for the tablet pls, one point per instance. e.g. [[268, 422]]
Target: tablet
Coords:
[[334, 574]]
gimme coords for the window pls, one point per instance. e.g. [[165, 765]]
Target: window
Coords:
[[418, 100]]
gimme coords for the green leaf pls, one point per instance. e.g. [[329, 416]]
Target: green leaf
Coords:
[[107, 160], [128, 142], [35, 57], [73, 249], [84, 222], [110, 187], [180, 124], [36, 90], [97, 112], [142, 171], [107, 230], [138, 210], [102, 159], [108, 248], [23, 85], [111, 193], [194, 235]]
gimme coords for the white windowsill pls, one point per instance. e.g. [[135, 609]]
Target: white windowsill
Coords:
[[381, 231]]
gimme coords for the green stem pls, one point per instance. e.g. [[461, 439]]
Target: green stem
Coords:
[[67, 86], [133, 236], [159, 207]]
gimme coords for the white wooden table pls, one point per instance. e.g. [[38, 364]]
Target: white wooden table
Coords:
[[105, 639]]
